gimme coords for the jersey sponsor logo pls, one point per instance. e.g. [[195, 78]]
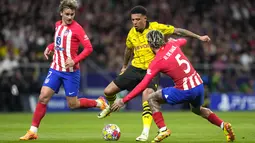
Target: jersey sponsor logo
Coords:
[[58, 41], [142, 47], [166, 95], [59, 48]]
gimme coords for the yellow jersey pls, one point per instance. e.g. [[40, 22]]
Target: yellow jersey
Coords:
[[143, 54]]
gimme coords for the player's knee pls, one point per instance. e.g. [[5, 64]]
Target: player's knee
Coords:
[[205, 112], [151, 98], [196, 110], [108, 91], [146, 93], [44, 97]]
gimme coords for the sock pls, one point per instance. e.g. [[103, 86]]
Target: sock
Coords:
[[33, 129], [162, 129], [214, 119], [39, 113], [222, 125], [159, 120], [110, 98], [98, 104], [87, 103], [147, 118]]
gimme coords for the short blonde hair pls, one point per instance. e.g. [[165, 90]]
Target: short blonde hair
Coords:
[[72, 4]]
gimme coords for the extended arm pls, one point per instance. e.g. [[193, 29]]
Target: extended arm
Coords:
[[83, 38], [184, 32]]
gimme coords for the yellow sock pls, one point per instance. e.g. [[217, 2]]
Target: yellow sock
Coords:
[[111, 99], [147, 117]]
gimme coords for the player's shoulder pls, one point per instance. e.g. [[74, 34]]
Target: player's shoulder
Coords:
[[153, 24], [132, 32], [58, 23], [76, 25]]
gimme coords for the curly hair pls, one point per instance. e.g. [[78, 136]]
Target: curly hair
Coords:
[[72, 4], [155, 39]]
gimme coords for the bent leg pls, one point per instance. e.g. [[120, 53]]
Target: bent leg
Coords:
[[208, 114], [74, 102], [214, 119], [155, 99], [146, 115], [40, 111]]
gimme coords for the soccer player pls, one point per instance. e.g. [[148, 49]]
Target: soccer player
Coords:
[[130, 76], [64, 69], [188, 85]]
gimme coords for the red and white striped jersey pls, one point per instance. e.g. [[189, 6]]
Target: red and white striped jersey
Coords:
[[66, 43], [171, 61]]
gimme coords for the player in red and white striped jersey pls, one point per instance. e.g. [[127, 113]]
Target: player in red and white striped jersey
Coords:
[[66, 43], [188, 87], [64, 69]]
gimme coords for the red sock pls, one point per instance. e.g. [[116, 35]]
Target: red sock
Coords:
[[87, 103], [39, 113], [158, 119], [214, 119]]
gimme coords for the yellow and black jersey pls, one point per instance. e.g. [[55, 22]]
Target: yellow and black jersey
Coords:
[[143, 54]]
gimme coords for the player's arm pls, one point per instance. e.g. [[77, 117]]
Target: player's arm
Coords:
[[151, 73], [184, 32], [83, 38], [48, 50], [127, 56]]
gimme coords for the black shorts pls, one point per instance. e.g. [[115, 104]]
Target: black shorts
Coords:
[[132, 77]]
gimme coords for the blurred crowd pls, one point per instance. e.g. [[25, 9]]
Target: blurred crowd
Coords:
[[226, 64]]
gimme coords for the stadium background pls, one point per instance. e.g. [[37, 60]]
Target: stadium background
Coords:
[[226, 65]]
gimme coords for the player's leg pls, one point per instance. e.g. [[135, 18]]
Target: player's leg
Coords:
[[126, 80], [71, 83], [147, 114], [196, 107], [50, 86], [110, 92], [155, 100], [74, 102]]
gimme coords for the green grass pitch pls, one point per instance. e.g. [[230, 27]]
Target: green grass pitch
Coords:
[[84, 127]]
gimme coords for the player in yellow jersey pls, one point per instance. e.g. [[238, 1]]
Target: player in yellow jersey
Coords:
[[130, 76]]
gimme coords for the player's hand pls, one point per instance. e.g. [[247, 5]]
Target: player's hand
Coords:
[[123, 69], [205, 38], [47, 52], [117, 105], [69, 63]]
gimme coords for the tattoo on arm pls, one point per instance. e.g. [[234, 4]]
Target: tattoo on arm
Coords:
[[184, 32], [127, 56]]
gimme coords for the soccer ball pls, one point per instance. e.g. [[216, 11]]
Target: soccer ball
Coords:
[[111, 132]]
